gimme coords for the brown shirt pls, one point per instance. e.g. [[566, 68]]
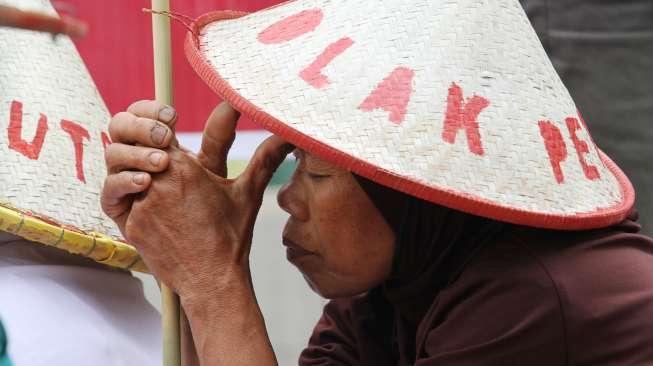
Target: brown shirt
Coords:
[[530, 297]]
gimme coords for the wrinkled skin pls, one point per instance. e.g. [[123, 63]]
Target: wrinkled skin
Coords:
[[203, 220], [345, 245], [194, 227]]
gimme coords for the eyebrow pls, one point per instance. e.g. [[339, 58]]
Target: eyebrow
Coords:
[[305, 158]]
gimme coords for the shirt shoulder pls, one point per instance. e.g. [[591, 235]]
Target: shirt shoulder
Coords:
[[351, 331], [547, 298], [503, 309], [604, 279]]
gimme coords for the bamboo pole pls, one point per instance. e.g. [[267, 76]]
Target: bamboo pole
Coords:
[[163, 93]]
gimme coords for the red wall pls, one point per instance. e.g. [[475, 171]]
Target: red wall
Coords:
[[118, 52]]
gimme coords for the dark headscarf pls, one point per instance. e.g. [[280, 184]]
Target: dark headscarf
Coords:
[[433, 243]]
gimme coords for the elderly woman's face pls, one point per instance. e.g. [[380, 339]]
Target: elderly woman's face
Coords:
[[335, 235]]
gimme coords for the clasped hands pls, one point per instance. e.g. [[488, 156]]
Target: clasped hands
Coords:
[[191, 224]]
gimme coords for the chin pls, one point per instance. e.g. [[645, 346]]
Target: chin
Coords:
[[332, 291]]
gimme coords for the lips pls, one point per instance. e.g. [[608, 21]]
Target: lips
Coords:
[[294, 251]]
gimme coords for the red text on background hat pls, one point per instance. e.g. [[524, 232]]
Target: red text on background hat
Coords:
[[32, 150], [557, 149], [106, 141], [461, 115], [77, 134]]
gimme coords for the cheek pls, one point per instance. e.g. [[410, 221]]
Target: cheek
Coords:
[[356, 244]]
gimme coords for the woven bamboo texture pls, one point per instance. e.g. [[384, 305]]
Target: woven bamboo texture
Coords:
[[53, 134], [97, 246], [451, 101]]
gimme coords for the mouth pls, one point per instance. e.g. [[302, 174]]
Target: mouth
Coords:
[[294, 251]]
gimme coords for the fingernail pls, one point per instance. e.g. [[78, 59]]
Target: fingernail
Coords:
[[167, 114], [158, 134], [155, 158], [138, 178]]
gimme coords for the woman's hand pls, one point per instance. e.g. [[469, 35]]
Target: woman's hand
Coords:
[[193, 226], [139, 136], [189, 222]]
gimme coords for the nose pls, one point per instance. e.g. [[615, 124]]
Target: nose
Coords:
[[291, 200]]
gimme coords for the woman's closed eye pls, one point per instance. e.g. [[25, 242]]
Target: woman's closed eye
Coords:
[[312, 167], [317, 175]]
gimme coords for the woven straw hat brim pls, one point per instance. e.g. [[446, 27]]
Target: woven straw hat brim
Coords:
[[97, 246], [52, 150], [464, 201]]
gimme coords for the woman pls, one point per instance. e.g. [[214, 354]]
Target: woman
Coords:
[[439, 286], [472, 263]]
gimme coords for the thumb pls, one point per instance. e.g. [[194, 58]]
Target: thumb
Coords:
[[267, 158], [219, 134]]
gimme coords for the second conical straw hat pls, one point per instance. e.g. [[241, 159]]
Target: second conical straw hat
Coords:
[[52, 139]]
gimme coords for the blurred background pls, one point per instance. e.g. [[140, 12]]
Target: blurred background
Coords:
[[118, 52]]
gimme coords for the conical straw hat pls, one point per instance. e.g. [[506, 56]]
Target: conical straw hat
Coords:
[[52, 140], [454, 102]]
